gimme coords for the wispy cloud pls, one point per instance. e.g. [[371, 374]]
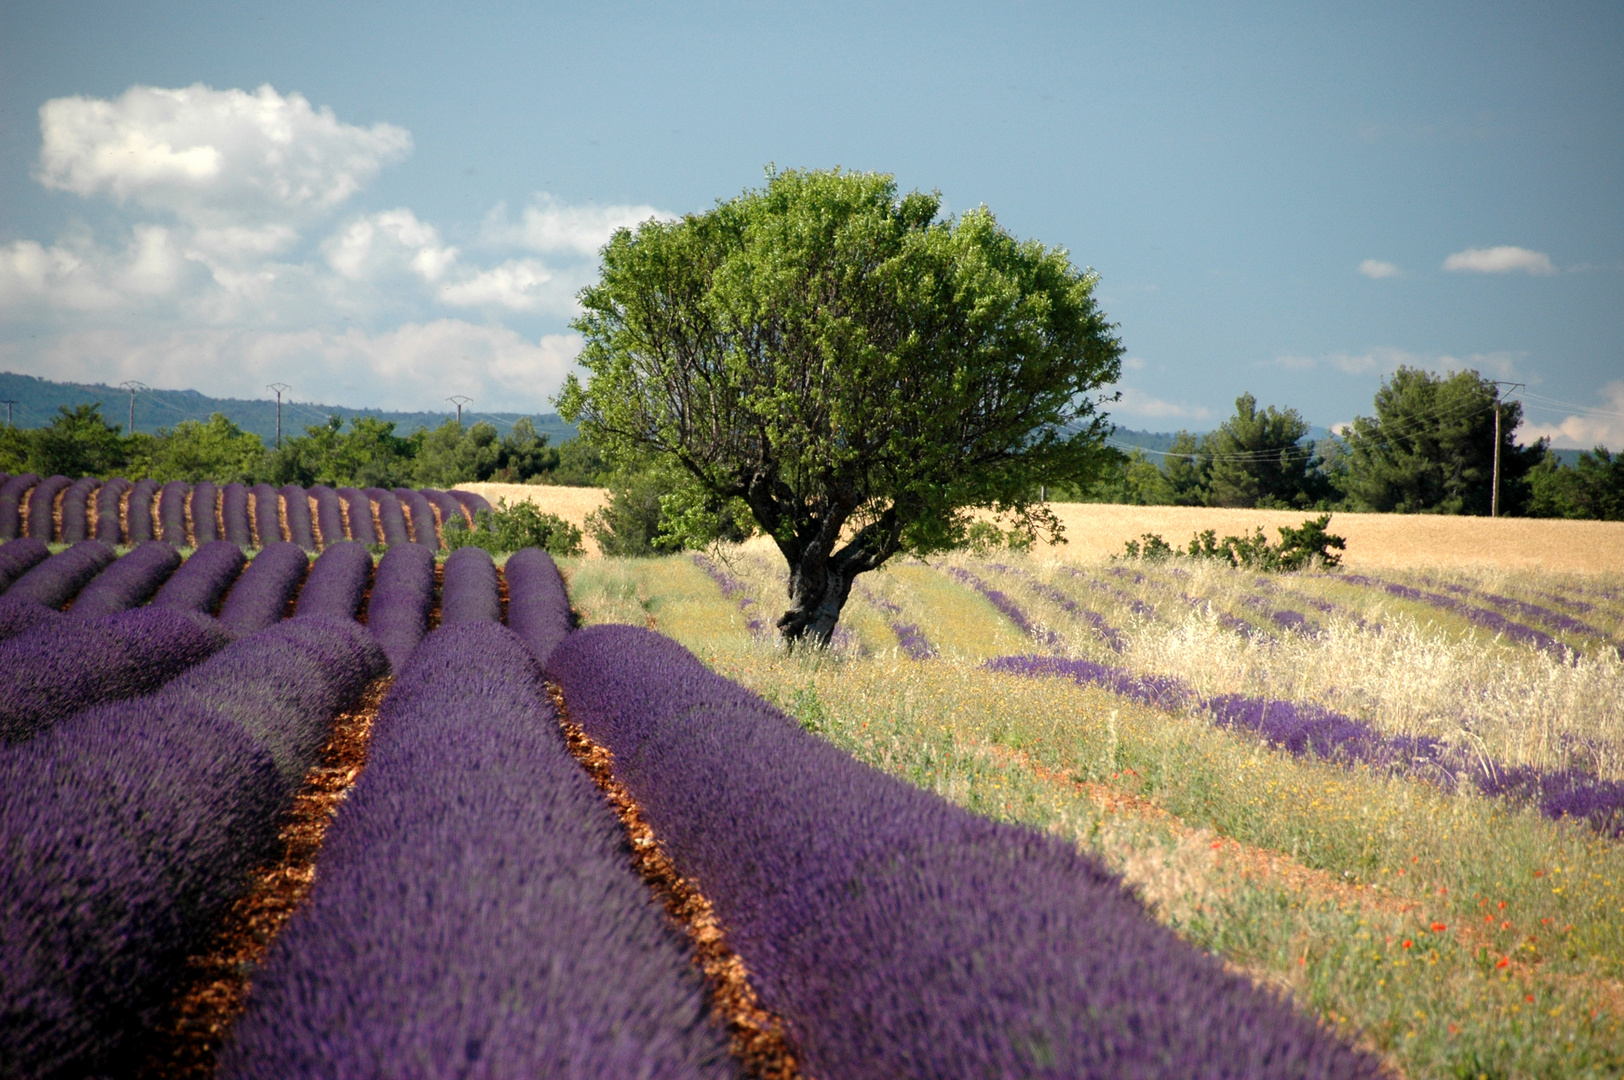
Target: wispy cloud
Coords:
[[1499, 260], [1580, 427], [1138, 403], [1384, 360], [1377, 268]]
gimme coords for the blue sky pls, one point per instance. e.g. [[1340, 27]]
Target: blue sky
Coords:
[[391, 203]]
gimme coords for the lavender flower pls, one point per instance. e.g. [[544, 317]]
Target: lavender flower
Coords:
[[109, 523], [54, 671], [58, 579], [897, 933], [296, 506], [419, 517], [470, 592], [390, 516], [359, 509], [402, 594], [329, 518], [12, 493], [234, 515], [172, 513], [142, 525], [1006, 606], [538, 607], [337, 583], [475, 913], [472, 503], [17, 557], [912, 641], [448, 508], [76, 509], [733, 589], [261, 594], [42, 507], [18, 617], [128, 583], [205, 503], [203, 579], [1492, 620], [267, 514]]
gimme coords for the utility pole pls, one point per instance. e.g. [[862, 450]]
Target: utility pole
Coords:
[[132, 386], [1494, 499], [8, 403], [459, 401], [279, 389]]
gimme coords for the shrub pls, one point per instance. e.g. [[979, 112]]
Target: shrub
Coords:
[[513, 528], [1303, 546]]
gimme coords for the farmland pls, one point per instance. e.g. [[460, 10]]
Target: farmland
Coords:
[[268, 814]]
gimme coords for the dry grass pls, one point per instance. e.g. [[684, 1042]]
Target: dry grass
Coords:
[[1408, 541], [573, 504]]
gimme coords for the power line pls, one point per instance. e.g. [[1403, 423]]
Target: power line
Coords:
[[459, 401], [132, 386], [279, 389]]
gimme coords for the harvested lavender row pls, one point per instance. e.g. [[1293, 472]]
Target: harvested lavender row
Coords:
[[419, 517], [12, 492], [1491, 620], [205, 503], [470, 592], [471, 502], [57, 670], [267, 514], [1302, 730], [447, 934], [142, 524], [296, 506], [910, 639], [1006, 606], [42, 507], [128, 583], [538, 606], [109, 521], [128, 829], [359, 509], [734, 590], [58, 579], [1565, 623], [1109, 634], [391, 519], [203, 579], [17, 557], [337, 583], [76, 510], [172, 513], [898, 934], [402, 595], [234, 515], [1135, 604], [261, 594], [329, 518]]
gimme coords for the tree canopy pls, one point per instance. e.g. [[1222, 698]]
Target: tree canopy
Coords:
[[858, 373]]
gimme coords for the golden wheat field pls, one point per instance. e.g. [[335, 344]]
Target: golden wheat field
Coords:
[[1393, 541]]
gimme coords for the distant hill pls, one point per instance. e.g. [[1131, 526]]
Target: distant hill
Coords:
[[1157, 443], [36, 401]]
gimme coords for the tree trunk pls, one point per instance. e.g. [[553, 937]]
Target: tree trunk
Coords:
[[818, 592]]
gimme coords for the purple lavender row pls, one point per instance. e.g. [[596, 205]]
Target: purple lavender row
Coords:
[[59, 669], [419, 517], [261, 593], [109, 496], [402, 595], [128, 583], [142, 524], [234, 515], [391, 519], [1112, 637], [12, 493], [296, 507], [360, 515], [329, 518], [58, 579], [910, 639], [17, 557], [1135, 604], [1555, 619], [898, 934], [470, 592], [204, 502], [76, 510], [172, 513], [733, 589], [1491, 620], [337, 583], [447, 934], [472, 503], [1006, 605], [1304, 730], [538, 607], [267, 513], [202, 580], [42, 503], [446, 507], [129, 828]]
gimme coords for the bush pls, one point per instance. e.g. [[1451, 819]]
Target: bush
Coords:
[[1306, 545], [513, 528]]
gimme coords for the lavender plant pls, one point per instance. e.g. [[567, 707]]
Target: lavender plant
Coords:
[[448, 508], [109, 521], [734, 590], [337, 584], [234, 514], [329, 518], [296, 507], [900, 935], [172, 513], [128, 583], [391, 519], [267, 514], [205, 502], [419, 517], [475, 914], [17, 557], [54, 671], [42, 507], [58, 579], [359, 509], [12, 493], [1005, 605], [472, 503], [142, 524], [262, 592], [470, 592], [76, 509], [1484, 617], [538, 607], [202, 580], [402, 595], [18, 617]]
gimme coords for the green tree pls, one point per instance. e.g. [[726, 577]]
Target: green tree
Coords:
[[1258, 459], [452, 454], [216, 450], [1430, 447], [1134, 480], [524, 454], [1185, 468], [1592, 488], [579, 464], [859, 373], [77, 442], [370, 454]]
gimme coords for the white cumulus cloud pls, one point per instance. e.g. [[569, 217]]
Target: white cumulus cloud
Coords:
[[1602, 425], [1378, 268], [1136, 402], [211, 155], [1499, 260], [547, 225]]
